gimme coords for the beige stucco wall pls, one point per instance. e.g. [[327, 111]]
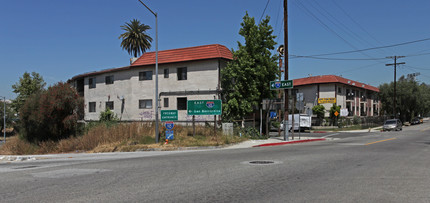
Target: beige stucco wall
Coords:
[[201, 75]]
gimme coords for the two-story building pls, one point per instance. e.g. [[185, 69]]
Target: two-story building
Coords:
[[191, 73], [354, 97]]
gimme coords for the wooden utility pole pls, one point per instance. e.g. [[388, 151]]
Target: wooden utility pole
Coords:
[[395, 67], [286, 67]]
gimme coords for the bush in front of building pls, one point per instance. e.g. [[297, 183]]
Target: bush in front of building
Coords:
[[51, 114], [319, 110]]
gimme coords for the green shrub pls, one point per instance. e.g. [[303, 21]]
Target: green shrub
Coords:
[[252, 133], [51, 114]]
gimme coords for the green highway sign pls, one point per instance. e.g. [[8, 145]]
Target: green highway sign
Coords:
[[283, 84], [169, 115], [204, 107]]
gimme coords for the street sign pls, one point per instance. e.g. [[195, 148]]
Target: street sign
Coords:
[[169, 115], [169, 134], [169, 125], [336, 113], [204, 107], [299, 96], [283, 84]]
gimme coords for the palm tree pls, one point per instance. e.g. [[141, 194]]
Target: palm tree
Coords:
[[135, 39]]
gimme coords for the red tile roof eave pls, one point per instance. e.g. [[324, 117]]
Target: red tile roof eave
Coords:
[[131, 67], [202, 59], [307, 84]]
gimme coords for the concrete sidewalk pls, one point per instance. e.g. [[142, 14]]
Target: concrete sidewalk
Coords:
[[272, 141]]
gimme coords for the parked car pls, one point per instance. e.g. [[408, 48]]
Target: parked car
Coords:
[[415, 121], [392, 124], [421, 119]]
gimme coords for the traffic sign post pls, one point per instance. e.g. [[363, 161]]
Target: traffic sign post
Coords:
[[283, 84], [169, 134]]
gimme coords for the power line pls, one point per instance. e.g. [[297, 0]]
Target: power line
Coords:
[[335, 59], [355, 22], [417, 54], [264, 10], [373, 48]]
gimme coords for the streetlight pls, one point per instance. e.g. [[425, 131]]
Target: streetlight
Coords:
[[4, 119], [156, 72]]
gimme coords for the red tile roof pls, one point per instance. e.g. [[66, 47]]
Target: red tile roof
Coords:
[[332, 79], [212, 51]]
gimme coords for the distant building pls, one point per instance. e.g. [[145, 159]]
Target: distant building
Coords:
[[357, 98], [191, 73]]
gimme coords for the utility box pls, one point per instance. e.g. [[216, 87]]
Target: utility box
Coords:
[[227, 128]]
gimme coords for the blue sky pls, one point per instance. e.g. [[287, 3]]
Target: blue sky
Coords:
[[61, 39]]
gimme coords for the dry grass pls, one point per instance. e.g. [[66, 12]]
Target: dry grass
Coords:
[[121, 137]]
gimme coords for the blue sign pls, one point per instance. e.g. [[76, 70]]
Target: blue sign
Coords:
[[273, 114], [169, 134], [170, 125]]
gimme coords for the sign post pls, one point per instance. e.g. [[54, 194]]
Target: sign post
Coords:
[[169, 116], [204, 107]]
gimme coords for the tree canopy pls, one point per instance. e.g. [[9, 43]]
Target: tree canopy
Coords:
[[28, 84], [135, 40], [412, 99], [245, 80]]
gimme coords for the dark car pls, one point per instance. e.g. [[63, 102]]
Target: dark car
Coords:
[[392, 124], [415, 121]]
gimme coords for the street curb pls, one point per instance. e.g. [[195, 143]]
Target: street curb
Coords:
[[319, 131], [289, 142]]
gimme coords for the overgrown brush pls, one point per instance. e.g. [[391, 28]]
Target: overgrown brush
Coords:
[[108, 137]]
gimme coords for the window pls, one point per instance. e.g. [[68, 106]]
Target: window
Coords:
[[166, 102], [182, 73], [182, 103], [92, 106], [339, 90], [146, 75], [92, 83], [109, 104], [145, 104], [166, 73], [109, 79]]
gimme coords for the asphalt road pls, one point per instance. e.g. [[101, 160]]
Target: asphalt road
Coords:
[[369, 167]]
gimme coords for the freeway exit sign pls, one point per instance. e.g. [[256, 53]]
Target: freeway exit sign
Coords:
[[284, 84], [204, 107]]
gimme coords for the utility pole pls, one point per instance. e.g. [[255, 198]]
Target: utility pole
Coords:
[[157, 135], [395, 67], [286, 127]]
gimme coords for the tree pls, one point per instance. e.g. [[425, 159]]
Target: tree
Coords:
[[27, 85], [319, 110], [412, 99], [51, 114], [135, 39], [245, 80]]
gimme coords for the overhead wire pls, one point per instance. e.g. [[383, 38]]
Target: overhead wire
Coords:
[[291, 56], [268, 1], [356, 23], [372, 48]]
